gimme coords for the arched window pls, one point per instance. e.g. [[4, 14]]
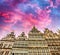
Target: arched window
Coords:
[[12, 53], [53, 53], [57, 54]]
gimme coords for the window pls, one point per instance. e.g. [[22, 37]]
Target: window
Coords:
[[5, 45], [12, 53], [57, 54], [53, 53], [1, 53], [19, 53], [9, 46], [1, 45], [7, 53]]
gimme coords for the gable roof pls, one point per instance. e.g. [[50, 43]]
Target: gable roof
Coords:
[[9, 37]]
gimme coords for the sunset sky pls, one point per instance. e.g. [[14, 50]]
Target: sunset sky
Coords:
[[22, 15]]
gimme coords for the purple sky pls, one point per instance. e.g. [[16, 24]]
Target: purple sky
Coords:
[[22, 15]]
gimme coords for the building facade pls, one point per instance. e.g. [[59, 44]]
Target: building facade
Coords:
[[37, 43]]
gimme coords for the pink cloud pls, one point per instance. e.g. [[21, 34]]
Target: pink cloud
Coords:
[[5, 15], [27, 20], [13, 18], [58, 2], [14, 3], [5, 28], [42, 20], [55, 3]]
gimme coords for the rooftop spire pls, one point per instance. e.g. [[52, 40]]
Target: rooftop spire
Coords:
[[34, 29], [12, 33], [22, 34], [10, 36]]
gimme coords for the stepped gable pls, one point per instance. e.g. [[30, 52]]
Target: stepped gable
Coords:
[[34, 29], [35, 34], [48, 34], [22, 36], [9, 37]]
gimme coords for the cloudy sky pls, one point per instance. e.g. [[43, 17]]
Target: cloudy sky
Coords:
[[22, 15]]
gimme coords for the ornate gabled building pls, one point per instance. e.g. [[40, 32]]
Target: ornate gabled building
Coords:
[[6, 44], [53, 40], [37, 43]]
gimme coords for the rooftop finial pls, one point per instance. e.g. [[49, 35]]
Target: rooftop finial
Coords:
[[12, 33], [34, 29], [22, 34]]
